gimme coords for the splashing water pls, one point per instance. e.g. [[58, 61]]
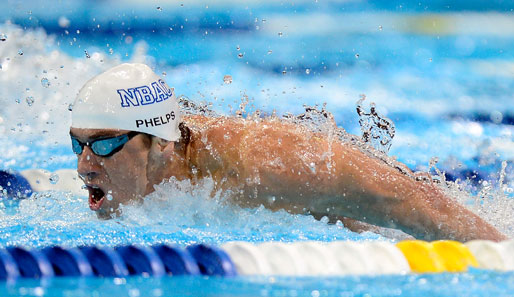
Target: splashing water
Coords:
[[177, 212], [54, 178], [376, 129], [45, 82]]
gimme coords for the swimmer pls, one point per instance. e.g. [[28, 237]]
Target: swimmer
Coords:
[[129, 135]]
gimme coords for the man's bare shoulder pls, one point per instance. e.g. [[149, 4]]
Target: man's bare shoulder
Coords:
[[232, 125]]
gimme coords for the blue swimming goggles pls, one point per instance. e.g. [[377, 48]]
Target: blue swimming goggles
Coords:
[[102, 146]]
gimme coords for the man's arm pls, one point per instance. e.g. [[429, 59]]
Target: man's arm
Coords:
[[285, 166]]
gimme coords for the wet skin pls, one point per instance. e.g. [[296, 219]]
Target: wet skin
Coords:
[[283, 166], [125, 176]]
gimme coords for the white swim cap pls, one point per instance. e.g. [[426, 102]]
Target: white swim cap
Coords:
[[128, 97]]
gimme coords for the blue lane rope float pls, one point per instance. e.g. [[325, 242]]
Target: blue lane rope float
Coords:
[[177, 261], [105, 262], [212, 260], [13, 186], [68, 262], [141, 260], [8, 266], [31, 263]]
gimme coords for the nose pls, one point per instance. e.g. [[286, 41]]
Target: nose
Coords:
[[88, 166]]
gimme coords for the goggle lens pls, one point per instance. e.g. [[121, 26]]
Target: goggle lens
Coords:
[[103, 147], [76, 146]]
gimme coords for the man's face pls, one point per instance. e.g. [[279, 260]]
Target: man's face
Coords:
[[117, 179]]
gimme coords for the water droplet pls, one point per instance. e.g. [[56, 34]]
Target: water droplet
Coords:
[[280, 34], [269, 52], [307, 71], [70, 107], [87, 54], [18, 100], [496, 117], [3, 37], [284, 72], [238, 48], [20, 52], [380, 27], [312, 167], [45, 82], [159, 8], [227, 79], [54, 178], [164, 73], [111, 51], [30, 100], [357, 56], [240, 55], [109, 195], [63, 22]]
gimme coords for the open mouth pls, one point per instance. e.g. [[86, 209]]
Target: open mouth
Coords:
[[96, 197]]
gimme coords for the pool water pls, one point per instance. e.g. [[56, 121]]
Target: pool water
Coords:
[[445, 77]]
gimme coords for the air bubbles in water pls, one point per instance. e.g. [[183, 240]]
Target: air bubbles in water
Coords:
[[70, 107], [29, 100], [3, 37], [159, 8], [227, 79], [54, 178], [238, 48], [380, 28], [307, 71], [240, 55], [45, 82], [111, 51], [87, 54], [357, 56], [20, 52], [280, 34], [269, 52]]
